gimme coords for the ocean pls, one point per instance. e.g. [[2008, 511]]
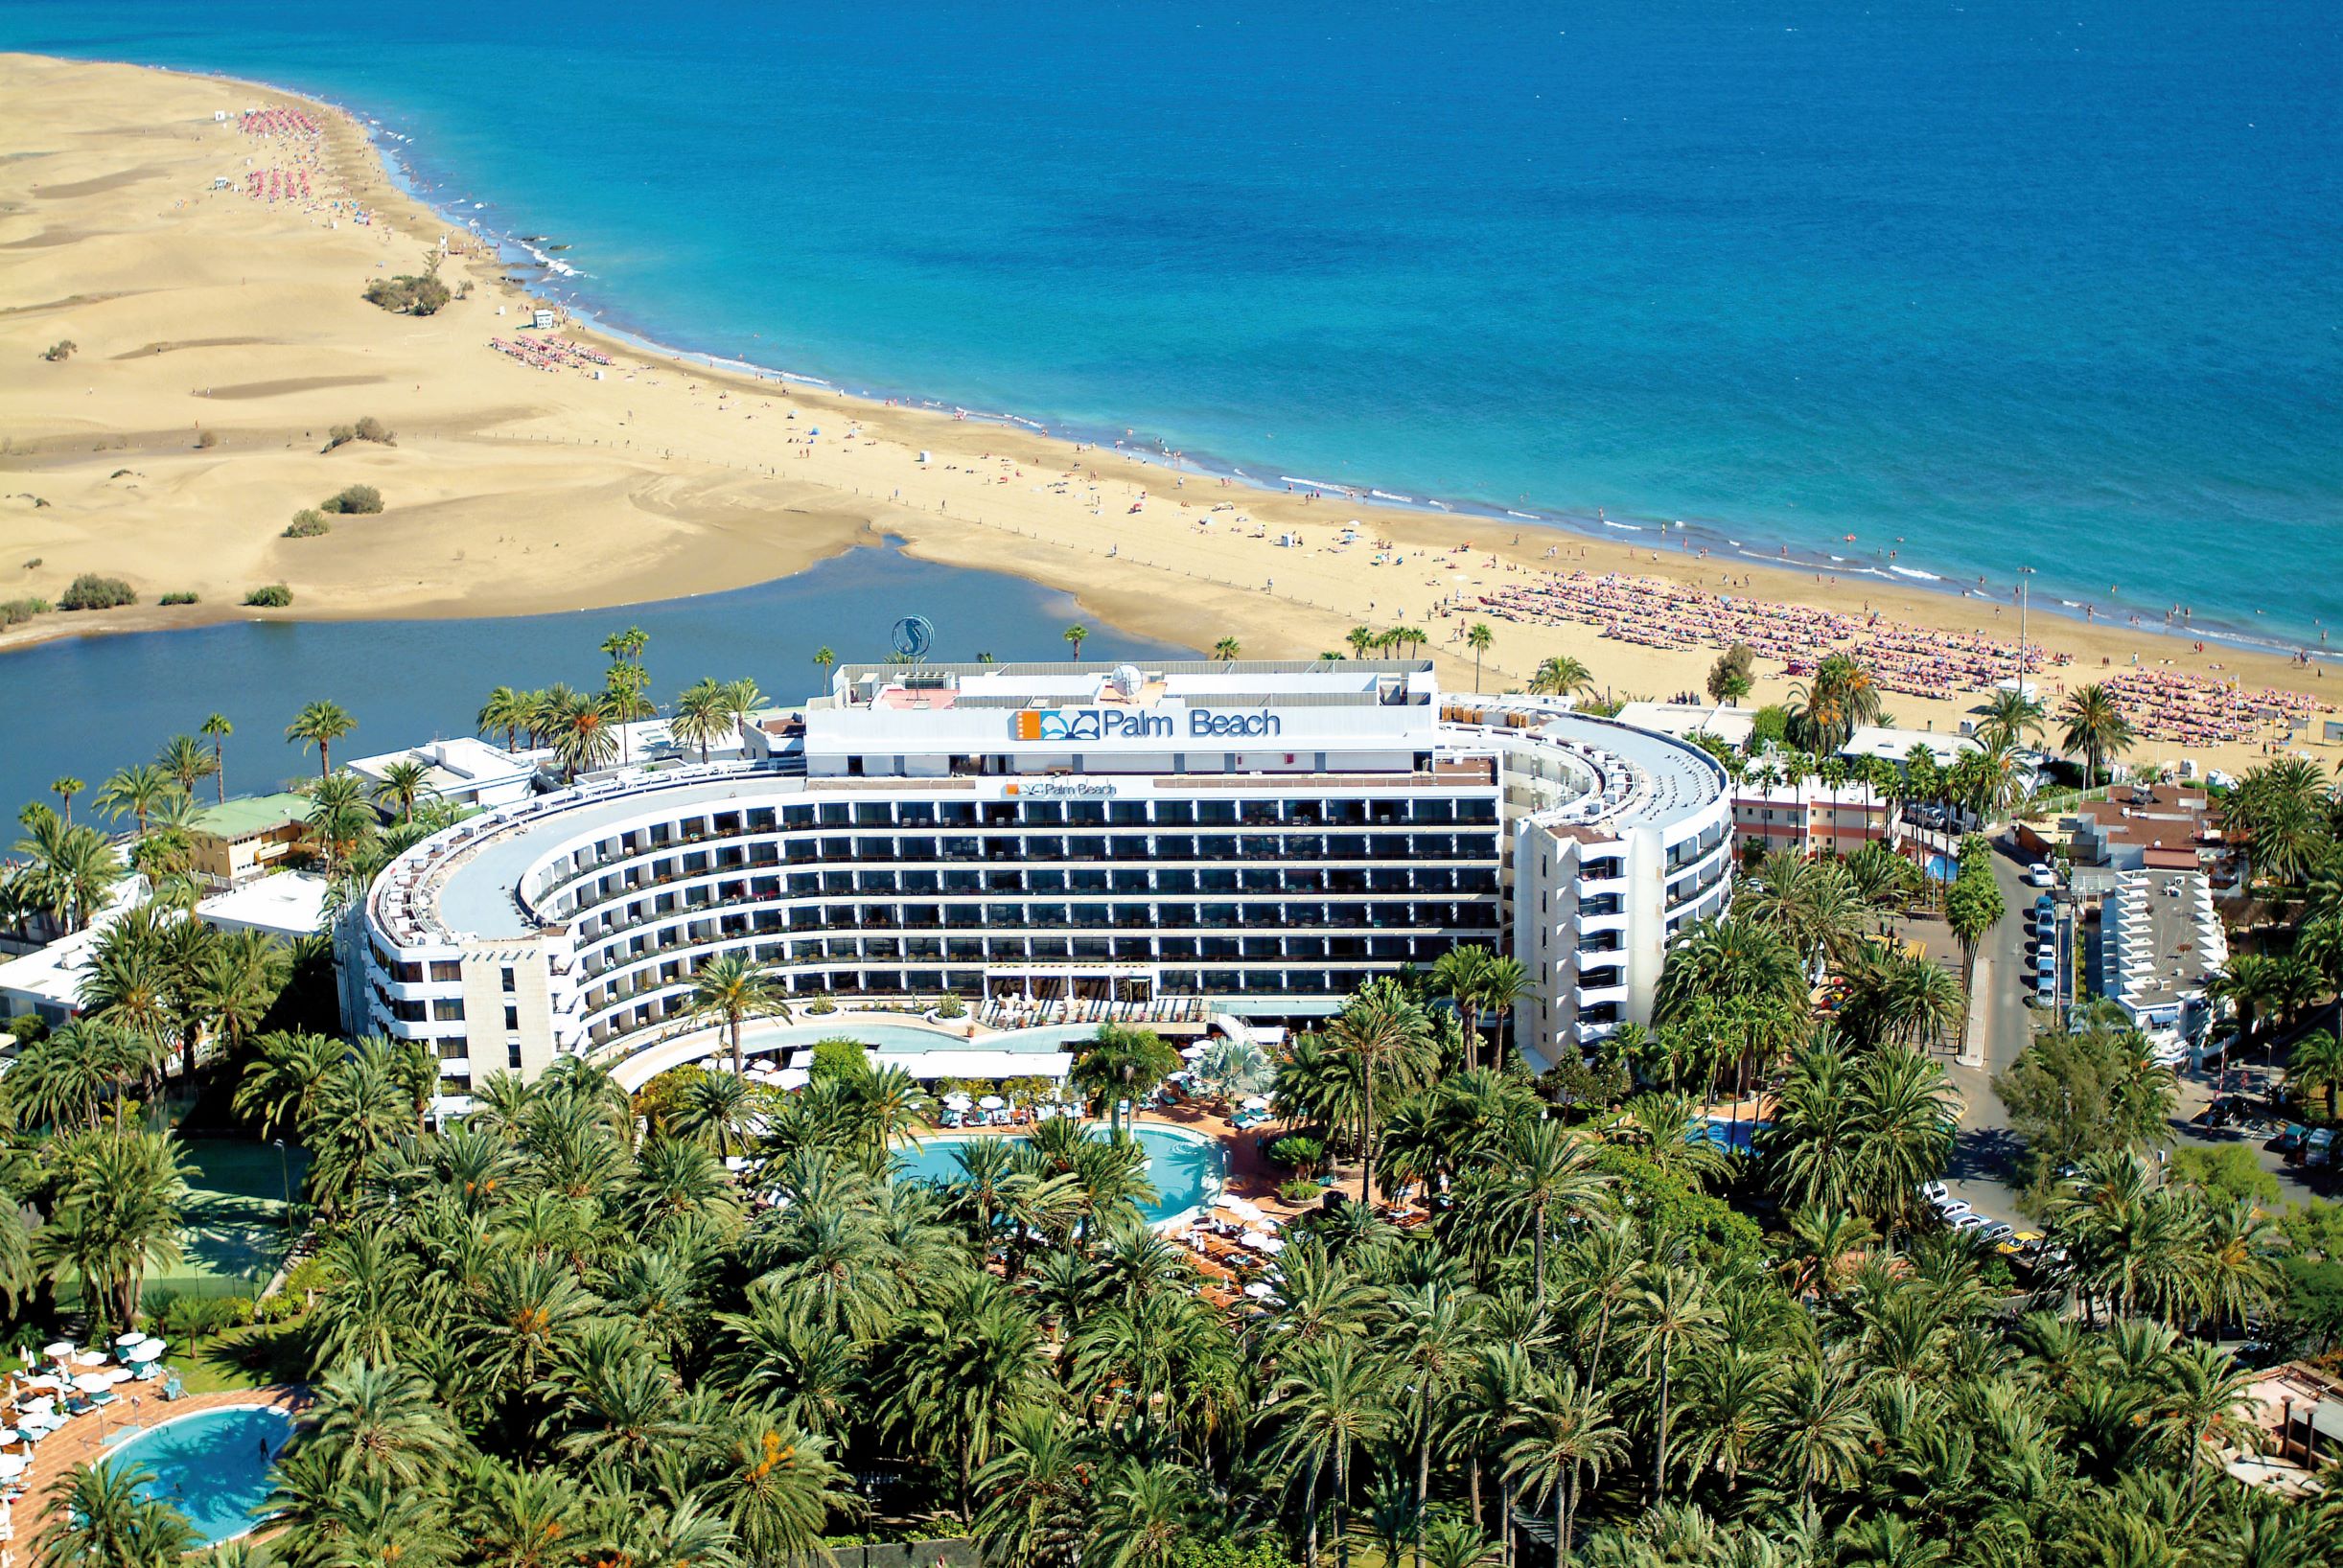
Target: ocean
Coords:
[[1982, 284]]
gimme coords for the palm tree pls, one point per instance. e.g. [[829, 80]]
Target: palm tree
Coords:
[[508, 712], [2012, 718], [583, 738], [65, 789], [280, 1089], [1503, 987], [1840, 698], [1479, 638], [1383, 1034], [626, 647], [1121, 1065], [218, 728], [702, 715], [1226, 650], [189, 761], [2316, 1067], [963, 1367], [727, 991], [69, 869], [1461, 975], [99, 1518], [1559, 676], [401, 784], [136, 792], [2096, 726], [1567, 1432], [1073, 635], [1328, 1403], [1360, 638], [117, 1217], [1671, 1314], [1550, 1170], [321, 722], [339, 819]]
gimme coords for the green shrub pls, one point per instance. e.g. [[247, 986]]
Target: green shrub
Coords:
[[91, 591], [182, 598], [273, 596], [17, 611], [369, 428], [1299, 1151], [357, 498], [60, 351], [821, 1005], [840, 1059], [308, 524], [407, 294], [1301, 1190], [951, 1006]]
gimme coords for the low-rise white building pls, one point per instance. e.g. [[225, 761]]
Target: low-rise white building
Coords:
[[2160, 945], [285, 906], [464, 772]]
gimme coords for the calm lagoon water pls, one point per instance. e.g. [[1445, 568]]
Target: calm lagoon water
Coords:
[[85, 707], [1987, 284]]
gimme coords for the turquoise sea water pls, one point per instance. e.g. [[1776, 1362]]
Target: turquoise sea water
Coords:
[[1987, 284]]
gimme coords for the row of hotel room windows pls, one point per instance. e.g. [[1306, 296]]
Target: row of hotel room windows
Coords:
[[1018, 850]]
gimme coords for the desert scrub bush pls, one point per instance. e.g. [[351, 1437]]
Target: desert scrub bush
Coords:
[[207, 439], [407, 294], [60, 351], [273, 596], [91, 591], [17, 611], [369, 428], [356, 499], [182, 598], [308, 524]]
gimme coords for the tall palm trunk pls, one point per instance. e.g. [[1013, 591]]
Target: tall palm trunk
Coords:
[[1660, 1458], [1366, 1136], [1309, 1507]]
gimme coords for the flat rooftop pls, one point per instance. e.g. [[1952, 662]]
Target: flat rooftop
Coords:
[[2168, 937], [1212, 682], [242, 816]]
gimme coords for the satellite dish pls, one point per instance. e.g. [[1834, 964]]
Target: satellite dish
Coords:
[[914, 637]]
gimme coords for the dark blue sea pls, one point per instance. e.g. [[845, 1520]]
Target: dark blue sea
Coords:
[[1987, 284]]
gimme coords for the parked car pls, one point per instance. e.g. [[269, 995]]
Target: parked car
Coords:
[[2041, 874], [1934, 1192], [2319, 1147], [2289, 1138], [1995, 1233], [1964, 1223], [2020, 1244]]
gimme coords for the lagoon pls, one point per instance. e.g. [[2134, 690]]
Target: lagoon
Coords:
[[85, 707]]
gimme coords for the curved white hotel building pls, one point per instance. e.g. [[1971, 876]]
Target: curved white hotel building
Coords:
[[1247, 839]]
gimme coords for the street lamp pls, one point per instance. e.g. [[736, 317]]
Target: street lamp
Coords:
[[284, 1181], [2024, 572]]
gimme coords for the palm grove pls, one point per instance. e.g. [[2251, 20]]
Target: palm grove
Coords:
[[562, 1330]]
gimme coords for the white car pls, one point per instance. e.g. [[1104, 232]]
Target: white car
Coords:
[[2041, 874], [1997, 1232], [1952, 1210], [1966, 1223], [1935, 1192]]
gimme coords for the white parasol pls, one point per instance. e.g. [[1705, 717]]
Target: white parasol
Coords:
[[13, 1465], [8, 1434], [62, 1349], [990, 1102], [1244, 1209], [1197, 1052], [91, 1383], [116, 1375], [957, 1101], [89, 1358], [151, 1350], [1262, 1241], [1260, 1290], [133, 1337], [1256, 1102]]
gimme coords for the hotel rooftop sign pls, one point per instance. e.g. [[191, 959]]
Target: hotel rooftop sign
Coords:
[[1072, 726]]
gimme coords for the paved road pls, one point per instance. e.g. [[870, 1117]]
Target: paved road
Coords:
[[1983, 1169]]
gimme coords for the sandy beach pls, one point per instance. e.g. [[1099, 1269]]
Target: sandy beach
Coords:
[[211, 273]]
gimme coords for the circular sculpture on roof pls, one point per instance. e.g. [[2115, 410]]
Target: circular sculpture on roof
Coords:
[[914, 637]]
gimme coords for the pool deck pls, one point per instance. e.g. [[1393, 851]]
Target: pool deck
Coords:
[[84, 1438]]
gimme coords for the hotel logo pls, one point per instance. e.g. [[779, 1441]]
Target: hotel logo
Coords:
[[1073, 724]]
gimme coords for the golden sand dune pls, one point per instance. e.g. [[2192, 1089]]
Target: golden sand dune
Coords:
[[220, 338]]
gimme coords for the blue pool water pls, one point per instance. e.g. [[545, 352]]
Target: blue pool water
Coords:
[[1988, 284], [213, 1467], [1186, 1169], [882, 1035]]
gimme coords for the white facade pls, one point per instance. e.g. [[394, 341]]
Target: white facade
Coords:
[[1259, 839], [464, 772], [2160, 943]]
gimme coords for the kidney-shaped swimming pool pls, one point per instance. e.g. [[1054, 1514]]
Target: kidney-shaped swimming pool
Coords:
[[213, 1467]]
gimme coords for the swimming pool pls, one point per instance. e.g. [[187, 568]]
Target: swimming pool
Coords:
[[1186, 1169], [212, 1466]]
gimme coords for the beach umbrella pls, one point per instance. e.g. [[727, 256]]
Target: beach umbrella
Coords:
[[60, 1350], [130, 1338], [13, 1465], [151, 1351], [957, 1101], [116, 1375], [91, 1383], [990, 1102], [1197, 1051], [8, 1434], [1260, 1290], [1256, 1102], [89, 1358]]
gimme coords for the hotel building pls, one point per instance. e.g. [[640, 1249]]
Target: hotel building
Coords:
[[1247, 839]]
